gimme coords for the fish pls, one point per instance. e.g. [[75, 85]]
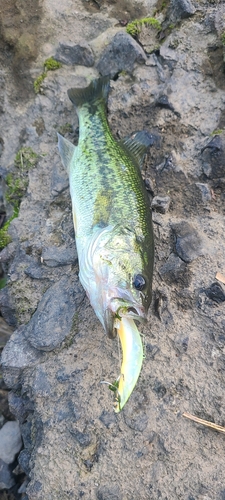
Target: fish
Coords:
[[112, 223]]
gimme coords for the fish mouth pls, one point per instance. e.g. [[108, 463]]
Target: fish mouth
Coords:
[[120, 308]]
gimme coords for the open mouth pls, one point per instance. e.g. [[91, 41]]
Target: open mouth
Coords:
[[133, 312], [121, 308]]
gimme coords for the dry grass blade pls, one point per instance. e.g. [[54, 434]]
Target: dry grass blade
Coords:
[[198, 420], [220, 277]]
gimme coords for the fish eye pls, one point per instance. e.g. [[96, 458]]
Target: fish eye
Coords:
[[139, 282]]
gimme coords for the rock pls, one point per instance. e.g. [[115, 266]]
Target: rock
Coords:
[[24, 461], [213, 157], [20, 406], [188, 243], [17, 355], [7, 307], [41, 384], [181, 343], [81, 54], [59, 182], [205, 191], [120, 55], [59, 256], [83, 439], [8, 252], [215, 293], [161, 204], [109, 493], [108, 418], [174, 270], [182, 9], [10, 441], [52, 321], [38, 272], [7, 480]]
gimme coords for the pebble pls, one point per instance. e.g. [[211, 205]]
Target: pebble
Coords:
[[188, 243], [161, 204], [10, 441], [213, 157], [205, 191], [120, 55], [215, 292], [52, 321], [81, 54]]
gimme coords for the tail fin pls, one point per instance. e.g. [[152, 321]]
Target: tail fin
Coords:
[[97, 91]]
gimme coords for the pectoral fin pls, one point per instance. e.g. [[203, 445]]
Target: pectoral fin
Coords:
[[138, 144], [66, 151]]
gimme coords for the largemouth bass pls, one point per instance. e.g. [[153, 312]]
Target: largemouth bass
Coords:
[[111, 214]]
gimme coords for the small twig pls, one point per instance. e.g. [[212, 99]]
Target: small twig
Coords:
[[216, 427]]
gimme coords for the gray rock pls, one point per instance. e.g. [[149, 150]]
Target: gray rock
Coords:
[[52, 321], [38, 272], [24, 461], [59, 256], [109, 493], [82, 438], [121, 54], [59, 182], [6, 478], [108, 418], [215, 292], [41, 384], [213, 156], [20, 406], [182, 9], [68, 53], [10, 441], [205, 191], [174, 270], [161, 204], [187, 241], [17, 355], [7, 307]]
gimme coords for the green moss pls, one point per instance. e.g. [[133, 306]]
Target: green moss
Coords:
[[16, 186], [25, 159], [38, 82], [5, 238], [51, 64], [217, 132], [134, 28], [3, 282]]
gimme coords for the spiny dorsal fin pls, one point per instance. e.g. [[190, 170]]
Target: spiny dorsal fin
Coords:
[[66, 151], [97, 90], [138, 144]]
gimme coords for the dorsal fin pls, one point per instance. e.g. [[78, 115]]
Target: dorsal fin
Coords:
[[138, 144], [66, 151]]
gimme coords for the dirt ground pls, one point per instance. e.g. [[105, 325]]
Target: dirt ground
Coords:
[[75, 446]]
